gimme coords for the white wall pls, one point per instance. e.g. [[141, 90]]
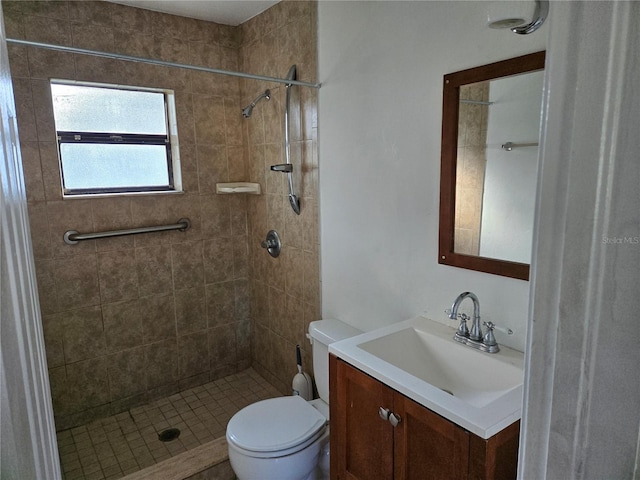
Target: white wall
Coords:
[[380, 106]]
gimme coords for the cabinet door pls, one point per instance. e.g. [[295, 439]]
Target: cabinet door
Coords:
[[497, 457], [361, 441], [428, 446]]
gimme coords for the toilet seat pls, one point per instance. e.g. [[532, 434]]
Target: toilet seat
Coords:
[[275, 427]]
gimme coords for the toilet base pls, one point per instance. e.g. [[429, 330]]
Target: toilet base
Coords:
[[311, 463]]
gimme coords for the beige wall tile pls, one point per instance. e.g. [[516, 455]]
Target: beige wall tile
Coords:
[[44, 64], [158, 318], [77, 281], [222, 346], [125, 368], [170, 25], [277, 310], [193, 354], [122, 325], [161, 364], [47, 291], [23, 96], [118, 277], [208, 113], [294, 320], [218, 260], [43, 110], [53, 328], [241, 257], [39, 225], [275, 182], [50, 171], [132, 19], [91, 12], [30, 152], [47, 30], [87, 383], [190, 310], [186, 261], [94, 69], [83, 334], [216, 216], [220, 304], [153, 267], [175, 51], [133, 42]]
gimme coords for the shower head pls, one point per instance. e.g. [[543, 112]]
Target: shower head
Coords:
[[246, 111]]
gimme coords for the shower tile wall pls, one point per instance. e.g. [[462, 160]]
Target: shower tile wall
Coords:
[[472, 161], [285, 290], [131, 319]]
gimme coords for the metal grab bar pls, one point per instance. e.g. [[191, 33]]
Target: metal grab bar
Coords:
[[287, 167], [71, 237], [293, 198]]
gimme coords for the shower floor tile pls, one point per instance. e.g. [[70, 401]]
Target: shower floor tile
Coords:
[[116, 446]]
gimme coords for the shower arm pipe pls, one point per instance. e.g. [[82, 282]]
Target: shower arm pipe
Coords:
[[293, 199], [131, 58]]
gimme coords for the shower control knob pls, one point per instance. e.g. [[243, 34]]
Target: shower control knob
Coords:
[[272, 243]]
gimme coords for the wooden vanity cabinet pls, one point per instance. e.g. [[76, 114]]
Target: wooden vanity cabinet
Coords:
[[423, 445]]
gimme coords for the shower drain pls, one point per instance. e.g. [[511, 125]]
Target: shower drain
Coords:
[[169, 434]]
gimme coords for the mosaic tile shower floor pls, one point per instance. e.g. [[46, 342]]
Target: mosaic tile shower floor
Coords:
[[116, 446]]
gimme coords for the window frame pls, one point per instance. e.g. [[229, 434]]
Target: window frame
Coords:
[[169, 141]]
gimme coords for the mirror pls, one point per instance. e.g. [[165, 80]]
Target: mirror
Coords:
[[490, 130]]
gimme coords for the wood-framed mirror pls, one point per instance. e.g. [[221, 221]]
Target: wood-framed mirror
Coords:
[[490, 131]]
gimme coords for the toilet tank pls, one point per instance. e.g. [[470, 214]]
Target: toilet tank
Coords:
[[322, 333]]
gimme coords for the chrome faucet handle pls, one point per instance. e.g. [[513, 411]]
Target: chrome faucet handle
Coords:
[[489, 338], [463, 330], [506, 331]]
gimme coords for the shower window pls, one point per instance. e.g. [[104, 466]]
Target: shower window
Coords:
[[114, 139]]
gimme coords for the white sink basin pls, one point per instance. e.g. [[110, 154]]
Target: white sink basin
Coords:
[[479, 391]]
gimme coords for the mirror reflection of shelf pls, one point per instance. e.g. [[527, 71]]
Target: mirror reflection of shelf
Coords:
[[238, 187], [475, 102], [508, 146]]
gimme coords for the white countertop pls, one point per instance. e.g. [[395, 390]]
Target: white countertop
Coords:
[[495, 409]]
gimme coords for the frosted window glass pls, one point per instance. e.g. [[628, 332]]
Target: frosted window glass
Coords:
[[114, 139], [95, 166], [79, 108]]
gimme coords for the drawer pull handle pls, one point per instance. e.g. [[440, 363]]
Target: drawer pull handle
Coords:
[[394, 419], [384, 413]]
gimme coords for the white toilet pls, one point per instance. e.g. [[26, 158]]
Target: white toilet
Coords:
[[287, 438]]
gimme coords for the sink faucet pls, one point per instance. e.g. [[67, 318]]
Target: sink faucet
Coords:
[[476, 330], [474, 337]]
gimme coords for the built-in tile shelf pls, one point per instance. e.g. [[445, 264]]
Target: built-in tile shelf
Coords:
[[238, 187]]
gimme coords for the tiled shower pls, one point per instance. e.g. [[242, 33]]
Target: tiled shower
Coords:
[[132, 320]]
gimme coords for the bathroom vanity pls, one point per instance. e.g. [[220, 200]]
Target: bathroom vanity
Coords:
[[422, 444], [409, 402]]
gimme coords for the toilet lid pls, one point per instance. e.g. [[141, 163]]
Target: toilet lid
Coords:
[[275, 424]]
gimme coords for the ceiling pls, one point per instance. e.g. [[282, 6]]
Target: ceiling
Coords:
[[227, 12]]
